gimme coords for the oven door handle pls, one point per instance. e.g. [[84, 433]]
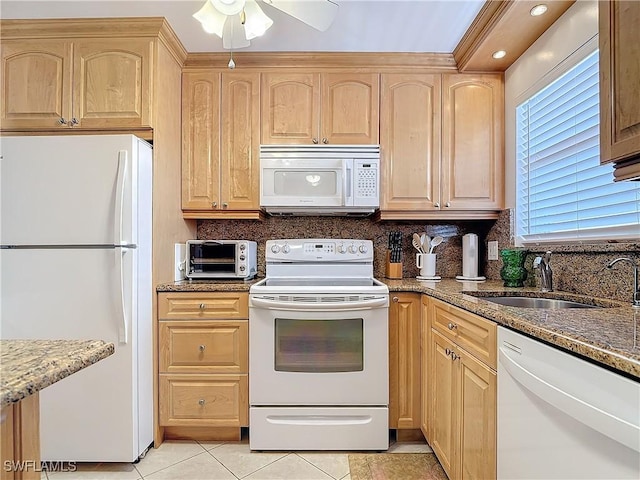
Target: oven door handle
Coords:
[[338, 306]]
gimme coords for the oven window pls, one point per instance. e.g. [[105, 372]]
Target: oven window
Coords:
[[317, 346], [320, 183], [213, 258]]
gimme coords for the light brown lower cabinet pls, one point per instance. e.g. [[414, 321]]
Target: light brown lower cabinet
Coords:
[[20, 439], [203, 364], [460, 392]]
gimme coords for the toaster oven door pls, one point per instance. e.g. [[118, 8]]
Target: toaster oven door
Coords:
[[211, 259]]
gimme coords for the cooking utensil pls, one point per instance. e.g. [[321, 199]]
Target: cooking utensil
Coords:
[[437, 240], [417, 243], [426, 241]]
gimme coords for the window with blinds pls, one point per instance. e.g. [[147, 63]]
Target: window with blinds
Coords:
[[563, 193]]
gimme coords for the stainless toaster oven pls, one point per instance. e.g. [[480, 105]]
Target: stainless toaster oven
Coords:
[[221, 259]]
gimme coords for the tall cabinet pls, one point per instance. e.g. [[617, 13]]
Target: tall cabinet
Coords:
[[619, 87], [220, 125]]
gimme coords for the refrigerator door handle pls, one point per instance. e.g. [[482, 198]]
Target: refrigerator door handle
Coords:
[[119, 203], [124, 326]]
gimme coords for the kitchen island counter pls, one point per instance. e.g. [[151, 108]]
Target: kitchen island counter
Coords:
[[609, 336], [28, 366]]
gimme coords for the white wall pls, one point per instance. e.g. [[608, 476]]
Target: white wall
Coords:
[[545, 60]]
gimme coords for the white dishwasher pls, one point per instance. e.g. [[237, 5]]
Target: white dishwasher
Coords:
[[561, 417]]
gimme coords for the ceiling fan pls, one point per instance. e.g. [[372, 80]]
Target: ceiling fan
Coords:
[[239, 21]]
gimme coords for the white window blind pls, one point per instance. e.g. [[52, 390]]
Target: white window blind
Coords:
[[563, 193]]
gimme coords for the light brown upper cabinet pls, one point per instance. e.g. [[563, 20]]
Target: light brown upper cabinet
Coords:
[[320, 108], [53, 84], [220, 121], [410, 122], [620, 87], [472, 142], [442, 146]]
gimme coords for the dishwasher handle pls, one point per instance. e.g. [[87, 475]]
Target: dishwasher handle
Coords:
[[604, 422]]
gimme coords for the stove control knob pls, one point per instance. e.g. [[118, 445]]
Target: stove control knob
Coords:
[[362, 248], [286, 248], [341, 248], [353, 249], [275, 248]]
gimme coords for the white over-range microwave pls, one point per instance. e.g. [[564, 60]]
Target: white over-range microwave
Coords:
[[320, 179]]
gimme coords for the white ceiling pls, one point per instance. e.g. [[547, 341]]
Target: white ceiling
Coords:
[[360, 26]]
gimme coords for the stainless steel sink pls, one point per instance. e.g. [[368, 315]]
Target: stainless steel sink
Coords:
[[530, 302]]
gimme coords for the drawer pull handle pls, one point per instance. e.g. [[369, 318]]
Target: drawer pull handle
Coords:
[[201, 401], [452, 325], [201, 348], [202, 305]]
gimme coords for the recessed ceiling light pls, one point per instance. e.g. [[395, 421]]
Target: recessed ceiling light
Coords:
[[538, 10], [499, 54]]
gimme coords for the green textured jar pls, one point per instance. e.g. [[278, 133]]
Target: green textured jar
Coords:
[[513, 272]]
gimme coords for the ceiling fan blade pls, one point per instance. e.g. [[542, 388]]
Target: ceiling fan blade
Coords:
[[318, 14]]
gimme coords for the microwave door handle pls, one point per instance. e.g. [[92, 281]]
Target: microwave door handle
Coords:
[[347, 174]]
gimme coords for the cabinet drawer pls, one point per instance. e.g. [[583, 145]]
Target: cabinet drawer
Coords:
[[201, 401], [204, 347], [203, 306], [473, 333]]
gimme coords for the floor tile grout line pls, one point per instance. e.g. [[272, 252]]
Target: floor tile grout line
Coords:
[[173, 464], [270, 463], [313, 464], [223, 465]]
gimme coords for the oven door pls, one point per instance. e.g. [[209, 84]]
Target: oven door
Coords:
[[331, 352]]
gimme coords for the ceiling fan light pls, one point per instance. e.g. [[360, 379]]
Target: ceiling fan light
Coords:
[[256, 21], [229, 7], [233, 36], [211, 19]]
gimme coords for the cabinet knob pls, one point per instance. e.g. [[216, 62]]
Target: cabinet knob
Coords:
[[202, 305], [72, 122], [314, 140], [325, 141], [448, 204], [201, 402], [62, 121], [395, 299], [447, 352], [454, 357], [452, 325], [225, 205], [437, 205], [202, 347], [214, 204]]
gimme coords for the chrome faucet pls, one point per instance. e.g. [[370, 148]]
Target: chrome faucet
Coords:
[[546, 274], [636, 292]]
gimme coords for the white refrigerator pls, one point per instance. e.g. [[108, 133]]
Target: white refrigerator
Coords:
[[75, 263]]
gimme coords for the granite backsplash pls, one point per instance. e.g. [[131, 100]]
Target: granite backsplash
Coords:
[[576, 268]]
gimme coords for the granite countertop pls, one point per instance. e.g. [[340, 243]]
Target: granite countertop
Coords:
[[609, 336], [28, 366]]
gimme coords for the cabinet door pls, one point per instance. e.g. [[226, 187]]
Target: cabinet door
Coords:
[[239, 160], [442, 416], [349, 113], [404, 361], [112, 83], [35, 84], [200, 140], [477, 419], [472, 142], [410, 141], [619, 84], [290, 108]]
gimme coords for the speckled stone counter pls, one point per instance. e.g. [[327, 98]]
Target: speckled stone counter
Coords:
[[207, 286], [608, 335], [28, 366]]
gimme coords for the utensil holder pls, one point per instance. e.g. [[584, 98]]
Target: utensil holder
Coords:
[[392, 270]]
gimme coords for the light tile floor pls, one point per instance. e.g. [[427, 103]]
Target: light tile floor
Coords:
[[189, 460]]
